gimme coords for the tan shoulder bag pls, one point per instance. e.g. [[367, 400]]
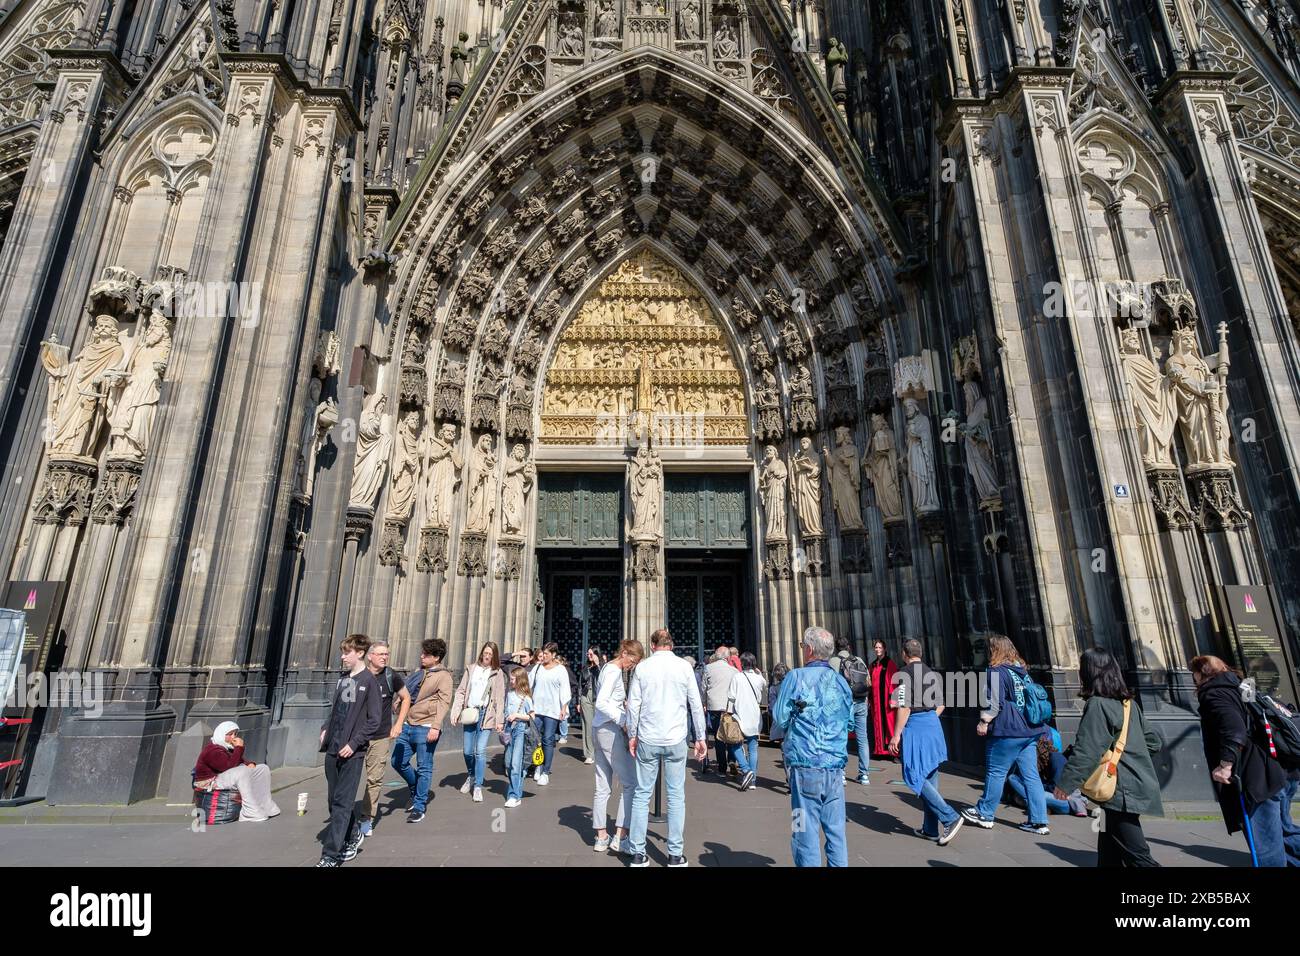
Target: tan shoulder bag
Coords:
[[1100, 787]]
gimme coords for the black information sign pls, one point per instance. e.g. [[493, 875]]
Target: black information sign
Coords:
[[41, 601], [1257, 636]]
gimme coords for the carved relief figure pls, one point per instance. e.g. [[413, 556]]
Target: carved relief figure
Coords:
[[482, 486], [406, 468], [772, 489], [570, 43], [979, 443], [920, 458], [133, 398], [646, 485], [374, 442], [442, 470], [725, 44], [845, 480], [807, 468], [76, 389], [1201, 398], [881, 463], [606, 19], [521, 474]]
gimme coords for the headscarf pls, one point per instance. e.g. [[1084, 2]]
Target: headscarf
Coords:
[[219, 735]]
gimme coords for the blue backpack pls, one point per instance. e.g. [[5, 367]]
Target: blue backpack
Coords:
[[1032, 699]]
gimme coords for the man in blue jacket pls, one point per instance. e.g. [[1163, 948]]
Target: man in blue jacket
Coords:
[[815, 709]]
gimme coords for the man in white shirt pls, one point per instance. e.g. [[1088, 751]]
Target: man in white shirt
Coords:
[[716, 686], [663, 709]]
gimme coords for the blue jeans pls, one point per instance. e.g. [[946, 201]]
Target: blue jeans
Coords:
[[546, 728], [476, 741], [647, 772], [738, 753], [1001, 755], [862, 736], [415, 740], [817, 806], [1053, 805], [515, 759], [1289, 827], [936, 807], [721, 751], [1273, 845]]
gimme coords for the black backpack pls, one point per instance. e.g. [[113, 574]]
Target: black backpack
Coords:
[[1276, 730], [857, 674]]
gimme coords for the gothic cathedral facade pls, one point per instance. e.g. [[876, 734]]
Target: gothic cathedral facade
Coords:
[[532, 320]]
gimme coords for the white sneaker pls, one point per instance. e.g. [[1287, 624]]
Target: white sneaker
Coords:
[[613, 844], [590, 760], [468, 785], [543, 779], [563, 741], [512, 803], [478, 794], [537, 772]]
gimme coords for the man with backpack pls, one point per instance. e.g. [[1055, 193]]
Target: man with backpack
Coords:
[[1249, 746], [857, 675]]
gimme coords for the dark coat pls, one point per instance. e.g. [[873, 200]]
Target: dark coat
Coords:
[[1137, 788], [1225, 732], [364, 716]]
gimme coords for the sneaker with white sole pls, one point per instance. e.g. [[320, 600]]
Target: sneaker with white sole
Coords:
[[512, 803], [747, 781], [614, 845], [639, 860], [946, 833], [1041, 829], [478, 794], [921, 833], [602, 845], [677, 861], [328, 861], [590, 760], [973, 816], [864, 779], [543, 779], [468, 785]]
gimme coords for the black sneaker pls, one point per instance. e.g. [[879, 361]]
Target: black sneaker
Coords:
[[328, 861], [639, 860], [973, 815], [1041, 829], [677, 861], [415, 816], [747, 781], [947, 832], [350, 850]]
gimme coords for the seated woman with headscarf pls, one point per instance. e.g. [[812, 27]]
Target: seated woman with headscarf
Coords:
[[221, 766]]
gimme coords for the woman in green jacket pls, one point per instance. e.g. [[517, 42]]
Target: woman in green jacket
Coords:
[[1137, 789]]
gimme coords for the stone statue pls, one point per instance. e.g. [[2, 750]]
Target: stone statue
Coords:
[[76, 389], [646, 489], [1201, 399], [606, 19], [406, 468], [570, 39], [442, 474], [688, 20], [920, 458], [979, 443], [881, 463], [459, 57], [845, 480], [725, 45], [836, 59], [133, 397], [521, 475], [374, 442], [772, 489], [482, 486], [320, 418], [807, 468], [1153, 401]]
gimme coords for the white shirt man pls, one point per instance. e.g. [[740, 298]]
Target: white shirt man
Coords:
[[663, 711]]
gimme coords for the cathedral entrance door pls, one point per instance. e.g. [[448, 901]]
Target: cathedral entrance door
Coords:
[[703, 602], [584, 609]]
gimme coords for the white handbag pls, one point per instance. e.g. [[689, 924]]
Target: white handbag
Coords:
[[469, 715]]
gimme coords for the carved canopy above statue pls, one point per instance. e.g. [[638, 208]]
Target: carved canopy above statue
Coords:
[[644, 348]]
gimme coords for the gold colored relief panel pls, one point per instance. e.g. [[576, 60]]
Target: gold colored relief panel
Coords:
[[644, 342]]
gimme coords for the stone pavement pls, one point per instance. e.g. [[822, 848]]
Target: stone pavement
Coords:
[[552, 827]]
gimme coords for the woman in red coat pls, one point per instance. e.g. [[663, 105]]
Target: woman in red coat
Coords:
[[221, 766], [882, 706]]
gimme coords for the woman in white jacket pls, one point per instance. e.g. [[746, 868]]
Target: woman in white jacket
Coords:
[[747, 689], [609, 725]]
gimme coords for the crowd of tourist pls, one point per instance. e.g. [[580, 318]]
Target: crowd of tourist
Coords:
[[645, 711]]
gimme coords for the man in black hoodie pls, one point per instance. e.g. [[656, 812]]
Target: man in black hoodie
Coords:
[[355, 715]]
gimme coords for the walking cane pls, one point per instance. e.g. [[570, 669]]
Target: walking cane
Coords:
[[1245, 822]]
